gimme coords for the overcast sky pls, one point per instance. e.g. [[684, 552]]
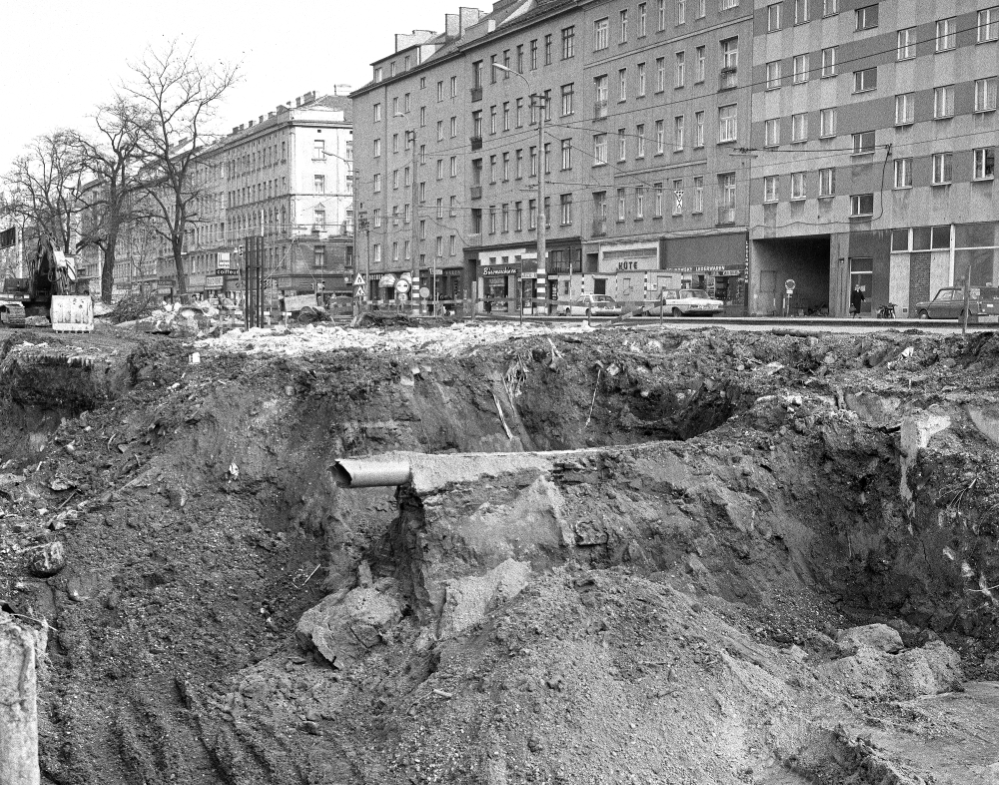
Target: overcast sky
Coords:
[[60, 58]]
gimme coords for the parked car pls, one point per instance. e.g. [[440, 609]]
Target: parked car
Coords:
[[949, 304], [684, 302], [591, 305]]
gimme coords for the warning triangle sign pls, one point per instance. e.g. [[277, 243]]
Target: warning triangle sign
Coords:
[[359, 280]]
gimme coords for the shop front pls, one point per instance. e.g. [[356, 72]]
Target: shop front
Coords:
[[628, 272], [717, 264], [498, 280]]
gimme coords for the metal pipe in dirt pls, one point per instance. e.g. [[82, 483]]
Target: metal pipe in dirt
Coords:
[[355, 473], [18, 709]]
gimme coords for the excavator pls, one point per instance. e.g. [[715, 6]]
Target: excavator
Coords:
[[47, 291]]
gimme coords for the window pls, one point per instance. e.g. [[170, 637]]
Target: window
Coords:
[[622, 84], [492, 119], [599, 149], [624, 25], [621, 206], [943, 102], [800, 12], [423, 117], [773, 75], [827, 183], [728, 123], [534, 54], [681, 11], [660, 74], [662, 16], [800, 69], [565, 209], [799, 127], [985, 163], [797, 185], [660, 137], [520, 58], [568, 41], [440, 207], [641, 80], [677, 197], [492, 219], [946, 34], [319, 150], [319, 183], [440, 91], [622, 146], [454, 127], [727, 4], [377, 148], [771, 133], [830, 7], [903, 173], [378, 113], [863, 143], [942, 168], [440, 130], [905, 108], [680, 70], [861, 205], [699, 64], [906, 45], [726, 198], [698, 129], [453, 206], [566, 154], [506, 115], [518, 164], [533, 155], [641, 20], [867, 17], [865, 80], [988, 24], [319, 218], [376, 252], [600, 34], [640, 140], [566, 100], [657, 200], [505, 217], [377, 183], [730, 53], [829, 62], [639, 203], [985, 95], [601, 85], [774, 17], [548, 49], [827, 123], [678, 129]]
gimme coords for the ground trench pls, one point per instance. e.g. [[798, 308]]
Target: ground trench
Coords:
[[755, 503]]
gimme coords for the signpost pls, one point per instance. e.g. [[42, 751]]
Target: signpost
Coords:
[[788, 291]]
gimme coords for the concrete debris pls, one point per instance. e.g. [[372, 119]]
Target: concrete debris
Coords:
[[47, 560], [467, 600], [343, 627], [877, 636]]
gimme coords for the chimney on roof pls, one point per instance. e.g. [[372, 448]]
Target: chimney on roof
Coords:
[[250, 124], [298, 102], [469, 17], [235, 129], [341, 89], [452, 25], [310, 96]]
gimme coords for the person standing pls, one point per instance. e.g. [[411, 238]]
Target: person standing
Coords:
[[856, 301]]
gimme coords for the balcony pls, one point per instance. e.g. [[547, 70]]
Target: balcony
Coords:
[[726, 215], [599, 110], [476, 94], [728, 79], [476, 192], [476, 143], [599, 227]]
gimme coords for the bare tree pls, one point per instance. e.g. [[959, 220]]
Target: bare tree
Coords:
[[44, 184], [177, 96], [110, 199]]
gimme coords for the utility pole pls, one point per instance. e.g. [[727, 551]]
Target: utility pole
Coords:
[[414, 257], [541, 289]]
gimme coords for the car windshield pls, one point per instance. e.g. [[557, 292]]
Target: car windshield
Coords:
[[691, 294], [604, 299]]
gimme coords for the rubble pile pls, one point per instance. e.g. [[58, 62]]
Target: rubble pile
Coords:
[[624, 555]]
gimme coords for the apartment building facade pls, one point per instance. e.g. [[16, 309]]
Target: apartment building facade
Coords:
[[645, 113], [874, 126]]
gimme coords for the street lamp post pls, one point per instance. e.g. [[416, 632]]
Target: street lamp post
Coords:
[[414, 260], [541, 284]]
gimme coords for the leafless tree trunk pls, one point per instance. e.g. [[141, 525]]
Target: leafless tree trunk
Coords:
[[18, 705], [177, 95]]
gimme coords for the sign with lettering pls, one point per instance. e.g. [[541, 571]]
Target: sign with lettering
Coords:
[[628, 259]]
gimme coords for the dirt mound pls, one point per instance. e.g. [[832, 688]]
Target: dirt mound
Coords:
[[644, 582]]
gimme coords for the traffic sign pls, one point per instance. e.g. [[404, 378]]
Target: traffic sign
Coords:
[[359, 291], [402, 286], [401, 297], [424, 292], [359, 280]]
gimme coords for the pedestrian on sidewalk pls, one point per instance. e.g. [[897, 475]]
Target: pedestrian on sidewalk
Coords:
[[856, 300]]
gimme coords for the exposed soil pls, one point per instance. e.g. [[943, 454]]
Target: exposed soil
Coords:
[[654, 577]]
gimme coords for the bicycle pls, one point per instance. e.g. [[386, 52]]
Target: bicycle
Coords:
[[886, 311]]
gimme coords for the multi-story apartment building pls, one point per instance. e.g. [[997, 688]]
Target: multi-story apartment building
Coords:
[[645, 112], [874, 130], [286, 177], [726, 145]]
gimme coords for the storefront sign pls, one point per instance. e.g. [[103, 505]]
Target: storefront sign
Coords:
[[214, 281], [223, 263], [501, 269], [717, 269], [628, 259], [387, 281]]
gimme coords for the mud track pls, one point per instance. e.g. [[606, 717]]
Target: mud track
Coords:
[[662, 597]]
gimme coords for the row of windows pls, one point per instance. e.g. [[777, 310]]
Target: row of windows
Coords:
[[983, 163], [625, 21], [377, 253], [867, 18]]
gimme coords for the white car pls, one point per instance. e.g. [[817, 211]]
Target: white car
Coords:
[[591, 305], [685, 302]]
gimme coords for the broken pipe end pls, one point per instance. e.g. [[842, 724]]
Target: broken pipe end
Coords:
[[350, 473]]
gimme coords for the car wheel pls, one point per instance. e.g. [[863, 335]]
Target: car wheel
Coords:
[[923, 315], [677, 313]]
